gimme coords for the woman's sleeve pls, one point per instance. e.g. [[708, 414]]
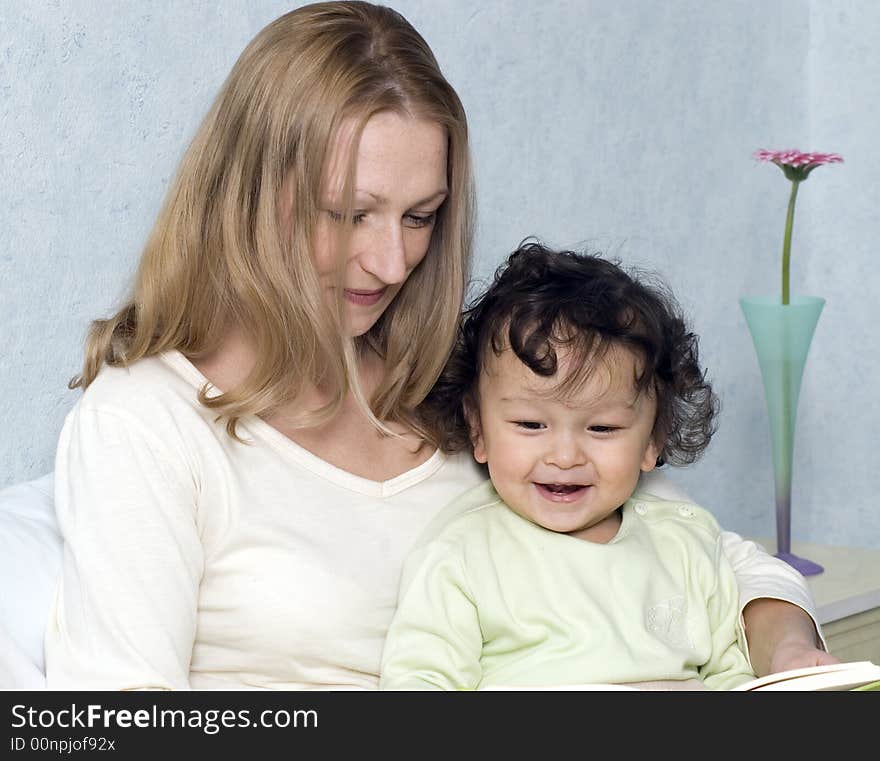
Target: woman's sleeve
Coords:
[[125, 612], [759, 574]]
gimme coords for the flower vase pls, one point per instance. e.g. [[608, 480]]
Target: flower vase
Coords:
[[782, 334]]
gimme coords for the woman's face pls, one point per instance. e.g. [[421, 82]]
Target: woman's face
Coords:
[[400, 182]]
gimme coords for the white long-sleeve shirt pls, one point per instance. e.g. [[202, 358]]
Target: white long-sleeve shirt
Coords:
[[194, 560]]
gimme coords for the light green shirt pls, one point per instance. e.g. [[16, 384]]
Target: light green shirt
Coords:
[[489, 598]]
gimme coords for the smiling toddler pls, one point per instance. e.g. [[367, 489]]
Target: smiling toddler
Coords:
[[569, 380]]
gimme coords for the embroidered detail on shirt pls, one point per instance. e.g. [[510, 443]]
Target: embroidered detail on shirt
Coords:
[[667, 621]]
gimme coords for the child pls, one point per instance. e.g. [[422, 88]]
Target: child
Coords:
[[569, 379]]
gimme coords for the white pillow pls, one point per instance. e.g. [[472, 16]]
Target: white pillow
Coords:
[[30, 563]]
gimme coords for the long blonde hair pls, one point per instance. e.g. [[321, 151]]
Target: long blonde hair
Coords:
[[217, 252]]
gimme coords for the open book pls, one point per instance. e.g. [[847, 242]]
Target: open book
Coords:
[[854, 675]]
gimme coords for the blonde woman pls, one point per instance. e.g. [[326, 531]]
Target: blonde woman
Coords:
[[241, 479]]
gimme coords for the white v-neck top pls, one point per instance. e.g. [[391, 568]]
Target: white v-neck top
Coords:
[[192, 560]]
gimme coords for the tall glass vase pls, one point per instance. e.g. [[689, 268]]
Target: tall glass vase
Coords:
[[782, 335]]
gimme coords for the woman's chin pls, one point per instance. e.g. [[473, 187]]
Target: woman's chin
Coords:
[[360, 321], [359, 324]]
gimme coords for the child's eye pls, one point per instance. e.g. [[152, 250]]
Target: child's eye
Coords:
[[338, 216], [529, 425], [604, 428]]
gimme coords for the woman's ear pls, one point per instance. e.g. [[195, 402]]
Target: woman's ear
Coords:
[[472, 417]]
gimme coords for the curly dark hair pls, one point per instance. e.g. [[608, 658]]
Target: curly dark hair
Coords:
[[541, 300]]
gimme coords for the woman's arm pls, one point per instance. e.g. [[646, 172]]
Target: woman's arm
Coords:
[[779, 615], [125, 613], [782, 636]]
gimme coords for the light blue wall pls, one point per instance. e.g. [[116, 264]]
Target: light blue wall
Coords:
[[623, 125]]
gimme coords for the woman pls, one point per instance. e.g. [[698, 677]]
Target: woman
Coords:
[[246, 469]]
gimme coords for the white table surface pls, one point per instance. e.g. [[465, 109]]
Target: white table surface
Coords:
[[850, 583]]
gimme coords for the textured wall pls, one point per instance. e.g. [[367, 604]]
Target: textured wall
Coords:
[[624, 126]]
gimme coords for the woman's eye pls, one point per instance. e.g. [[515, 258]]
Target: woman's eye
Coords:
[[529, 425], [420, 220], [338, 216]]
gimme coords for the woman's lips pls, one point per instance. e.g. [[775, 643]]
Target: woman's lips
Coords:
[[561, 492], [364, 298]]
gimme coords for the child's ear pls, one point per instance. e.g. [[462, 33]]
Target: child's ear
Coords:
[[652, 454], [472, 416]]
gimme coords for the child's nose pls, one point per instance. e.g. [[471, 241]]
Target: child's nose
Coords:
[[565, 452]]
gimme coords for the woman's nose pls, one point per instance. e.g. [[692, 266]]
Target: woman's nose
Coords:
[[385, 257]]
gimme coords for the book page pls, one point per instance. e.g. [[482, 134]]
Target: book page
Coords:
[[836, 676]]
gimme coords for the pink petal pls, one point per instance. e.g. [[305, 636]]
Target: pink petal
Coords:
[[796, 159]]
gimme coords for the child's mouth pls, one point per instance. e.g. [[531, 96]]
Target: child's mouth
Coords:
[[561, 492]]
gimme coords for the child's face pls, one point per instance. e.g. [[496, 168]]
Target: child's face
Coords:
[[566, 465]]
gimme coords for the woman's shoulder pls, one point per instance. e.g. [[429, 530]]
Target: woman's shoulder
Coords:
[[460, 472], [149, 406], [160, 380], [158, 393]]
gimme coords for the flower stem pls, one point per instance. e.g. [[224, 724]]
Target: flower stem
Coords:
[[786, 241]]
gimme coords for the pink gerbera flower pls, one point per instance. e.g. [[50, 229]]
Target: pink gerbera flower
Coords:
[[796, 165]]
